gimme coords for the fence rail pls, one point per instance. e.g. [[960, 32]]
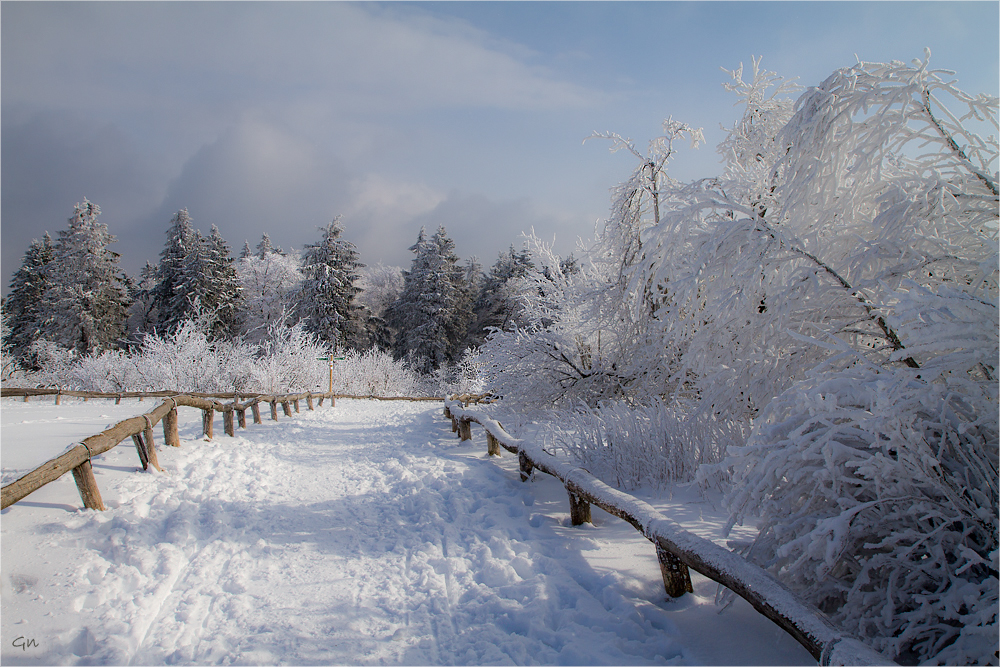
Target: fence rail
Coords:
[[140, 429], [676, 549]]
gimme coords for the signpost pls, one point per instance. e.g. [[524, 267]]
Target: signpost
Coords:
[[331, 359]]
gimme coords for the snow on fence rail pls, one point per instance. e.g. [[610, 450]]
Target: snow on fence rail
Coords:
[[140, 429], [676, 549]]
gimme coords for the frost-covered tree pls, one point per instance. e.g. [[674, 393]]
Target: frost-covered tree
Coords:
[[270, 290], [328, 302], [196, 273], [838, 286], [224, 291], [21, 307], [84, 304], [498, 301], [169, 302], [380, 287], [429, 317], [142, 313]]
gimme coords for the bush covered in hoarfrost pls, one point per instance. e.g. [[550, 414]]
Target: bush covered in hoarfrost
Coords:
[[187, 359], [374, 373], [648, 446]]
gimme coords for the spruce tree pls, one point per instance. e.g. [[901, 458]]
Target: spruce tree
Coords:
[[196, 274], [84, 305], [169, 302], [27, 286], [497, 304], [223, 291], [429, 317], [328, 302]]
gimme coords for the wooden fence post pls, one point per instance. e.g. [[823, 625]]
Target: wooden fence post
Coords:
[[227, 423], [87, 485], [465, 430], [525, 466], [207, 416], [274, 410], [26, 398], [170, 437], [454, 425], [296, 403], [118, 399], [321, 400], [333, 402], [241, 417], [492, 446], [57, 398], [579, 510], [255, 409], [676, 577], [309, 401], [286, 408], [140, 447], [150, 445]]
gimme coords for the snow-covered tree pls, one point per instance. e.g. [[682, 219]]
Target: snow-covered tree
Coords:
[[142, 313], [429, 318], [196, 273], [328, 302], [21, 307], [270, 290], [224, 291], [498, 301], [838, 286], [380, 287], [84, 304], [169, 301]]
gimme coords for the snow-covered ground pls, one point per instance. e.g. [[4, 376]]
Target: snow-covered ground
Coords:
[[360, 534]]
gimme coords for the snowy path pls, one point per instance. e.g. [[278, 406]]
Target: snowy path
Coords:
[[362, 534]]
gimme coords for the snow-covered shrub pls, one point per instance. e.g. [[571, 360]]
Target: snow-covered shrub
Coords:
[[11, 371], [876, 493], [187, 360], [53, 362], [289, 361], [650, 445], [109, 371], [374, 373]]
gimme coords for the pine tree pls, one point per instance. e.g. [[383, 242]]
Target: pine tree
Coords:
[[26, 289], [497, 303], [169, 302], [142, 314], [429, 317], [265, 247], [224, 289], [84, 306], [328, 302], [196, 274]]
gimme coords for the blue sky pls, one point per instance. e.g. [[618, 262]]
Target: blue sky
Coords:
[[276, 117]]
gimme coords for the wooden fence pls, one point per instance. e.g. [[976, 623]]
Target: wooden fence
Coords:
[[676, 549], [140, 429]]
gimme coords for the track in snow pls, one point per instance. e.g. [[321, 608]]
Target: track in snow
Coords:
[[361, 534]]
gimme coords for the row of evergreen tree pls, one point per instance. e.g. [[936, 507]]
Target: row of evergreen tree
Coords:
[[72, 292]]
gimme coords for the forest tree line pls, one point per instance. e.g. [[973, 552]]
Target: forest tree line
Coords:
[[72, 293]]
